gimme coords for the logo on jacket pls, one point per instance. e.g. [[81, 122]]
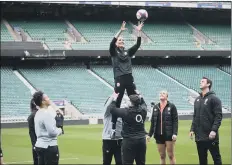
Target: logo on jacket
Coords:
[[206, 101], [118, 84], [197, 99], [169, 108], [155, 109], [125, 53]]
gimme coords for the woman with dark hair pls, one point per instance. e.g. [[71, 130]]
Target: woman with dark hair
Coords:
[[32, 134]]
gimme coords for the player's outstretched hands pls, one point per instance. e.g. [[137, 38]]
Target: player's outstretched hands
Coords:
[[123, 26], [140, 26]]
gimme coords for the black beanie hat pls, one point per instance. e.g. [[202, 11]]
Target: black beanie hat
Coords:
[[135, 99]]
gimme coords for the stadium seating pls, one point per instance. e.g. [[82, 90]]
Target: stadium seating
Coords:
[[167, 36], [191, 76], [52, 32], [72, 83], [218, 33], [15, 96], [150, 82], [226, 68], [99, 34], [5, 35]]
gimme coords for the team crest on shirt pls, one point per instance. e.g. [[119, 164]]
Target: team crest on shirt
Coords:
[[206, 101]]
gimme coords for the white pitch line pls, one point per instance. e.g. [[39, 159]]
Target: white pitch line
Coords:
[[32, 161]]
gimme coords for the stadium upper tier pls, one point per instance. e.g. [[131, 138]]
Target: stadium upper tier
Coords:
[[15, 96], [5, 35], [219, 34], [150, 82], [226, 68], [168, 36], [164, 36], [191, 76], [49, 31], [100, 34], [72, 83]]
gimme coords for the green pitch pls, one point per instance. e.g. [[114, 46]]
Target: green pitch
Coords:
[[83, 144]]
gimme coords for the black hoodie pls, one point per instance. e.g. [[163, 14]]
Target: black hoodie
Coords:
[[121, 58], [207, 116], [133, 119]]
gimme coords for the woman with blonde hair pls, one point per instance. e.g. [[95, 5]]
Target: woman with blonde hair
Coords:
[[164, 127]]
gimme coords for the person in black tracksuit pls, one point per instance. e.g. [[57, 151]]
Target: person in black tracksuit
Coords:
[[59, 120], [32, 134], [164, 127], [133, 130], [206, 121], [122, 67]]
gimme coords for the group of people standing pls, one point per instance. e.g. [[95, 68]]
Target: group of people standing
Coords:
[[125, 137]]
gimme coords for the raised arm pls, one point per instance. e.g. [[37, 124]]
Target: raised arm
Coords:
[[134, 48], [113, 42], [119, 112]]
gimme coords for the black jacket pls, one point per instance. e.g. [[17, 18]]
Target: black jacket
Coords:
[[121, 58], [1, 153], [169, 120], [59, 120], [133, 119], [207, 116], [31, 126]]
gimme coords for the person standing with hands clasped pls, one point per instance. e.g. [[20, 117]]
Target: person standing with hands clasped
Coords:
[[164, 127], [206, 121], [46, 131]]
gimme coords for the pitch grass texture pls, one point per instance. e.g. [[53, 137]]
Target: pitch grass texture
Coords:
[[83, 145]]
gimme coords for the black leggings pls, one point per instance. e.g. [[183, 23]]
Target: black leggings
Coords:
[[122, 83]]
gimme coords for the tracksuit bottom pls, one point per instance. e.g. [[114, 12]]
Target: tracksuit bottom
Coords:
[[48, 156], [134, 149], [122, 83], [112, 148], [213, 147]]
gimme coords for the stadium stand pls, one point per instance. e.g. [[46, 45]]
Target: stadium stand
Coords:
[[191, 76], [5, 35], [49, 31], [150, 82], [226, 68], [169, 36], [99, 34], [219, 34], [15, 96], [72, 83]]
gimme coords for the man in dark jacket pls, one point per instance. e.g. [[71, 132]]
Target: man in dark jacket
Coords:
[[59, 120], [122, 67], [206, 122], [133, 130], [31, 126]]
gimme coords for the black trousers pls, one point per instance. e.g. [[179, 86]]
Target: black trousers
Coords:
[[213, 147], [134, 149], [112, 148], [35, 156], [122, 83], [48, 156]]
